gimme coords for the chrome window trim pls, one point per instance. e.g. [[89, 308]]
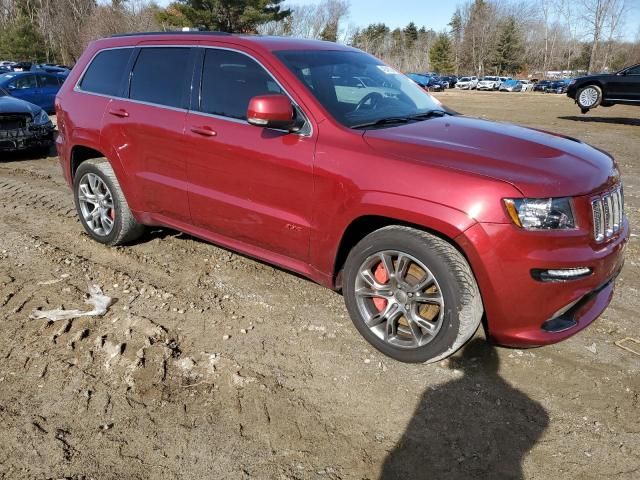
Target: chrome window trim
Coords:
[[79, 89]]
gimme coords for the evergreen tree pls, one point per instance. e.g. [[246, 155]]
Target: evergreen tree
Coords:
[[241, 16], [508, 53], [440, 54], [21, 41], [410, 35]]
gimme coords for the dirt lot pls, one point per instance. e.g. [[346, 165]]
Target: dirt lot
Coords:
[[212, 365]]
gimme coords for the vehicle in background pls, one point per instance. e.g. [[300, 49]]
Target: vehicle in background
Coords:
[[351, 89], [559, 86], [428, 83], [62, 71], [467, 83], [542, 85], [437, 80], [511, 86], [622, 87], [38, 88], [527, 85], [5, 69], [450, 79], [22, 66], [489, 83], [23, 125], [430, 223]]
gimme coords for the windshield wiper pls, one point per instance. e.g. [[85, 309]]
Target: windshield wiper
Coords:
[[429, 114], [383, 121], [407, 119]]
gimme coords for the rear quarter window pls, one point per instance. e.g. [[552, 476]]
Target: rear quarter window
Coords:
[[106, 72]]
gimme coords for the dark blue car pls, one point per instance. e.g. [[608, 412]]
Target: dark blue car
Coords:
[[38, 88]]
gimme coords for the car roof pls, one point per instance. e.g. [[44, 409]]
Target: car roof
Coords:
[[269, 43]]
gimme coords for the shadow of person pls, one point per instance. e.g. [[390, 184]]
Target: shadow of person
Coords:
[[476, 427]]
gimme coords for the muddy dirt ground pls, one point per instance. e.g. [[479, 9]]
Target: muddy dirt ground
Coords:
[[212, 365]]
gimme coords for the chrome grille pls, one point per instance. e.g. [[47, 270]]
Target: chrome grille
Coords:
[[608, 214]]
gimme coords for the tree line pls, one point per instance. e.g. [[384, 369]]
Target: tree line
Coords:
[[483, 36]]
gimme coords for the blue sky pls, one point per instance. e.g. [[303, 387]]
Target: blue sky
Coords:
[[433, 14]]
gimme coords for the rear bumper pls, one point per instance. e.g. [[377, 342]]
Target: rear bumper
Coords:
[[26, 138], [523, 311]]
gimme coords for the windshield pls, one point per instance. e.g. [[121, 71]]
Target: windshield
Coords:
[[335, 80], [490, 79]]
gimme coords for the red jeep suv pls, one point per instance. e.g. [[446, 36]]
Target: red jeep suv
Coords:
[[323, 160]]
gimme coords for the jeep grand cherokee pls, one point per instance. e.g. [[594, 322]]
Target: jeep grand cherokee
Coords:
[[426, 220]]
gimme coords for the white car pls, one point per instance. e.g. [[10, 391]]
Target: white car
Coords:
[[467, 83], [489, 83], [527, 85]]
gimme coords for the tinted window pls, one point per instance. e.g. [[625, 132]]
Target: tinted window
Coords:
[[106, 72], [230, 80], [46, 81], [634, 70], [24, 81], [161, 76]]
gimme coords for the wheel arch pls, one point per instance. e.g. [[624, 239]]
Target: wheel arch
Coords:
[[363, 225], [81, 153]]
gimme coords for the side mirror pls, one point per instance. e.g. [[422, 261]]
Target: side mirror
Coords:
[[272, 111]]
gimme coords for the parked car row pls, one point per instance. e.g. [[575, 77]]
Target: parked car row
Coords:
[[7, 66]]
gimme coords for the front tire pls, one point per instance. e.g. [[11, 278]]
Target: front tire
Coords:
[[589, 97], [411, 294], [101, 205]]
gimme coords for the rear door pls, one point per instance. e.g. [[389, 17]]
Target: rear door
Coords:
[[147, 129], [48, 86], [630, 88]]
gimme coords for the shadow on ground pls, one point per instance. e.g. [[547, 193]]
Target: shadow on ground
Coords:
[[475, 427], [29, 154], [614, 120]]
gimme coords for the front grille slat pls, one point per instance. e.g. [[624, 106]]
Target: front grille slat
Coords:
[[608, 214], [14, 121]]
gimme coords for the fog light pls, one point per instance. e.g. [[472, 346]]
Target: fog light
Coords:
[[561, 274]]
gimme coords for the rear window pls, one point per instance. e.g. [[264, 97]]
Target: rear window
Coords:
[[106, 72], [46, 81], [161, 76]]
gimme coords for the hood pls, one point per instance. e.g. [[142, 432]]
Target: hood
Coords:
[[15, 105], [539, 164]]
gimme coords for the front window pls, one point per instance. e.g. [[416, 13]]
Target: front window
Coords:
[[357, 89]]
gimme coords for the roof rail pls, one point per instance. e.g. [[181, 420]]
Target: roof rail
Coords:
[[179, 32]]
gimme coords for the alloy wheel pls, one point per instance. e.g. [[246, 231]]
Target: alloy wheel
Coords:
[[399, 299], [96, 204], [588, 97]]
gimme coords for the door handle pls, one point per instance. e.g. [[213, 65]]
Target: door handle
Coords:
[[119, 112], [204, 131]]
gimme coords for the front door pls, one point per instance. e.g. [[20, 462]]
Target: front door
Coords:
[[248, 183]]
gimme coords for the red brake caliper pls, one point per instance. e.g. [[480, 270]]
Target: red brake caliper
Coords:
[[382, 276]]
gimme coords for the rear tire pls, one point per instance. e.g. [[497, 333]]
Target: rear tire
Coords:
[[589, 97], [414, 318], [101, 205]]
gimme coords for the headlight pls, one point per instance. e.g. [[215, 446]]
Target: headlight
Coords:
[[572, 81], [41, 118], [541, 214]]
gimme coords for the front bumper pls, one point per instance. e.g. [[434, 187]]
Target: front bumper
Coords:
[[519, 308], [32, 136]]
